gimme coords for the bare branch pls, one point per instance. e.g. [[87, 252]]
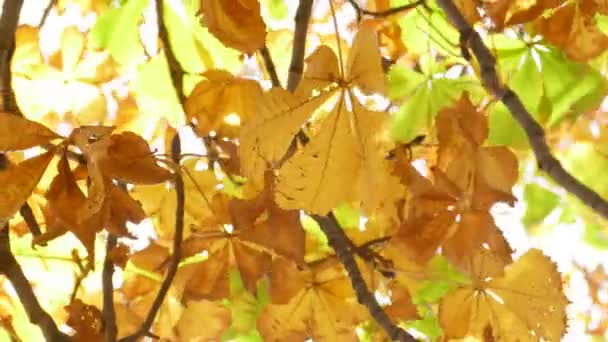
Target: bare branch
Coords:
[[175, 68], [11, 269], [341, 245], [46, 12], [270, 68], [383, 14], [296, 67], [536, 135], [9, 266], [109, 313], [144, 330], [30, 219]]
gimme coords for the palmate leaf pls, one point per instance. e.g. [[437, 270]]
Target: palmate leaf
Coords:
[[498, 301]]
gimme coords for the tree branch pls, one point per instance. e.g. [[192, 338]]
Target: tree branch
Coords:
[[109, 313], [175, 68], [45, 13], [270, 68], [536, 135], [13, 272], [383, 14], [296, 67], [144, 330], [341, 245], [9, 266]]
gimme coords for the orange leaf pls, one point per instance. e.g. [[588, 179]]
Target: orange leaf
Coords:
[[238, 24], [19, 133], [18, 181], [128, 158]]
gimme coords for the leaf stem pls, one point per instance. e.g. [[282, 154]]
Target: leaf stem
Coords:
[[270, 68]]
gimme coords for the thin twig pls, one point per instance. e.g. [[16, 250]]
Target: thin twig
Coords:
[[46, 12], [30, 219], [109, 313], [144, 330], [340, 243], [470, 39], [11, 269], [270, 68], [383, 14], [296, 67], [175, 68]]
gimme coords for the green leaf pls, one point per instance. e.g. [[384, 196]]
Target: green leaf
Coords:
[[569, 85], [443, 278], [155, 93], [428, 325], [527, 81], [347, 215], [596, 235], [539, 203], [402, 81], [589, 166], [276, 8], [421, 31], [117, 31], [417, 115]]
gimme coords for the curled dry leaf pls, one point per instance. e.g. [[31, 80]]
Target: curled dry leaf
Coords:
[[236, 23], [17, 181], [30, 133], [67, 210]]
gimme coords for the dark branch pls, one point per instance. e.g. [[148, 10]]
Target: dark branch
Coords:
[[383, 14], [536, 135], [270, 68], [175, 68], [341, 245], [11, 269], [109, 313], [296, 67], [30, 220], [144, 330], [9, 266], [46, 12]]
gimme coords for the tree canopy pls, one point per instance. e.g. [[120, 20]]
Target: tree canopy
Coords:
[[329, 170]]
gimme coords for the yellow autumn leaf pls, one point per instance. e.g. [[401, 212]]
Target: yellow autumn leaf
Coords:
[[266, 138], [222, 103], [30, 133], [217, 319], [17, 181], [514, 312], [316, 178], [237, 24], [364, 63], [318, 303]]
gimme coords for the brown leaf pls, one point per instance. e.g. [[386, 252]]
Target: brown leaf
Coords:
[[19, 133], [86, 320], [128, 158], [18, 181]]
